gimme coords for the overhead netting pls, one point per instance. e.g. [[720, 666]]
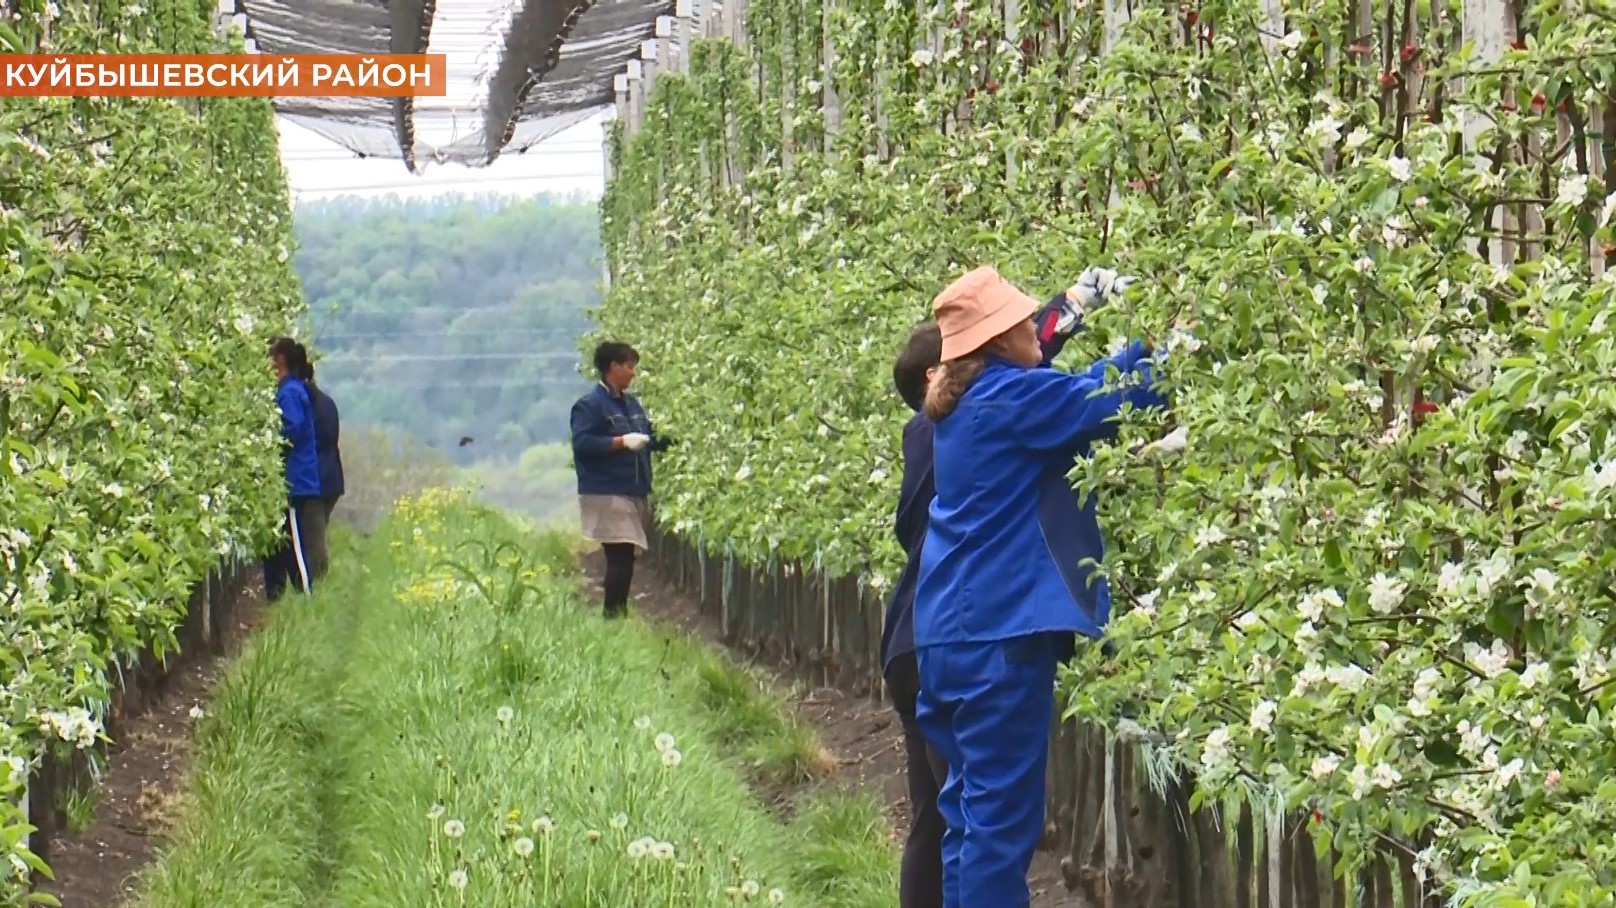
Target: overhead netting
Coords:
[[519, 71]]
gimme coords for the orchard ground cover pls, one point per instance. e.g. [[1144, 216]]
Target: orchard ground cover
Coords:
[[447, 722]]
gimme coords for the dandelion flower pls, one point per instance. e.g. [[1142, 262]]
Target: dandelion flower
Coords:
[[506, 714], [672, 758], [434, 813], [643, 723], [620, 821], [454, 829], [662, 851], [777, 897], [458, 879], [749, 889], [592, 836], [664, 742], [544, 825], [524, 847], [637, 849]]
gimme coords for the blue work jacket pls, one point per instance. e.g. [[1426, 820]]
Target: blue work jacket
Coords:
[[915, 495], [1008, 536], [298, 454], [597, 418]]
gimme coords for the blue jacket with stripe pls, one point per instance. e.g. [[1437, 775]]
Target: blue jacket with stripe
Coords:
[[298, 454]]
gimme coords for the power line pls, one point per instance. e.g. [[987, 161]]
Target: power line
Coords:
[[374, 385], [390, 335], [339, 358], [490, 307]]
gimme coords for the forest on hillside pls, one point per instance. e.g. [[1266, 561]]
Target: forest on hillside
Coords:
[[450, 318]]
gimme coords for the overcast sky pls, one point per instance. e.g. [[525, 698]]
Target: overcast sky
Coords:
[[570, 161]]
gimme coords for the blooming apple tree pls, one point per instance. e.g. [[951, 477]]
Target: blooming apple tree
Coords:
[[144, 257], [1376, 582]]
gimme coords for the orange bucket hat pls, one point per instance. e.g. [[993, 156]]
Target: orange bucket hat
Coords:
[[977, 308]]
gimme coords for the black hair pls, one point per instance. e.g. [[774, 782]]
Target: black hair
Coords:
[[611, 353], [294, 353], [923, 351]]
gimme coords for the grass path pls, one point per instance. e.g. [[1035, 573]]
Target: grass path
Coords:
[[445, 723]]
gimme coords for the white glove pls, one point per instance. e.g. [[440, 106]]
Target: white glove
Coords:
[[1172, 443], [634, 441], [1095, 285]]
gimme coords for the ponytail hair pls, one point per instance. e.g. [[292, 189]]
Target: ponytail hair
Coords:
[[951, 382]]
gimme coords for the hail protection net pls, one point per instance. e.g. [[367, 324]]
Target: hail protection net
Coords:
[[519, 71]]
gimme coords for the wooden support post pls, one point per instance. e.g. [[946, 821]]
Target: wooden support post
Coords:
[[665, 58], [684, 12], [832, 103], [636, 97], [1012, 33], [1485, 26]]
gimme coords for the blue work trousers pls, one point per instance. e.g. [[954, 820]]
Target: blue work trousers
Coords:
[[987, 708]]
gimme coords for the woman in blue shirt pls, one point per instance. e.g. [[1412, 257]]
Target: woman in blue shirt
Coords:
[[1003, 586], [920, 883]]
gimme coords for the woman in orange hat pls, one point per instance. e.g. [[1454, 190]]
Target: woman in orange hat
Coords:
[[1006, 579]]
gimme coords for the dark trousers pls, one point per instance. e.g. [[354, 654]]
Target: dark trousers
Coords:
[[920, 884], [987, 708], [619, 577], [297, 561]]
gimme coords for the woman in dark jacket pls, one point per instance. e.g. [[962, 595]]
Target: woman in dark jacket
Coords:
[[612, 443], [921, 882]]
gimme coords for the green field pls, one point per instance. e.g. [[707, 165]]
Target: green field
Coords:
[[446, 722]]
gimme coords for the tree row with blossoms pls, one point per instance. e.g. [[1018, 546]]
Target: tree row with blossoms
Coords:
[[1374, 586], [146, 256]]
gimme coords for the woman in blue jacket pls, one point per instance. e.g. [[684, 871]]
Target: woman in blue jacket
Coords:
[[920, 883], [1003, 586], [612, 442]]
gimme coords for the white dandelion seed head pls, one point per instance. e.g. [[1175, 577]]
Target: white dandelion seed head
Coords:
[[458, 879], [505, 715], [777, 897], [524, 847], [435, 812], [664, 742], [643, 723], [662, 851], [620, 821], [672, 758], [544, 825], [454, 829]]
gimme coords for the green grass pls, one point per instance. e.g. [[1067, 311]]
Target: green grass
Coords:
[[361, 722]]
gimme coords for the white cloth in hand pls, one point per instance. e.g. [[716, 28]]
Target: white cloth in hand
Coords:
[[634, 441]]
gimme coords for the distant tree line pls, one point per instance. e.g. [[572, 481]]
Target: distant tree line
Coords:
[[453, 317]]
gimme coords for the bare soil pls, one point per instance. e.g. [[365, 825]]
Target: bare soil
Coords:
[[144, 774], [862, 736]]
